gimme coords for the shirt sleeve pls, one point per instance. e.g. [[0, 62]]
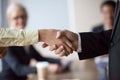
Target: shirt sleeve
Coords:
[[79, 44], [9, 37]]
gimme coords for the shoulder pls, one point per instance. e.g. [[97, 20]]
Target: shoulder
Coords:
[[98, 28], [15, 50]]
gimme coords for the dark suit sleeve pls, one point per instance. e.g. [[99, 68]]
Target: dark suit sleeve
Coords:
[[19, 69], [94, 44]]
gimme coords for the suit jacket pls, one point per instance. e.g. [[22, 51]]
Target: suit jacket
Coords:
[[98, 28], [95, 44], [15, 64]]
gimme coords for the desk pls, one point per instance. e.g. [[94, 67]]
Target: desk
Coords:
[[86, 72], [62, 76]]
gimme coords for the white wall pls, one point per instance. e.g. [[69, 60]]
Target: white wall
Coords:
[[47, 13], [86, 14]]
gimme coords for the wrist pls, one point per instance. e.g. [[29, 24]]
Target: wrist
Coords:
[[76, 42], [42, 35], [46, 34]]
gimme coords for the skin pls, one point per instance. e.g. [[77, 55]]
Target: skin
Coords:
[[107, 15], [18, 18], [65, 41], [73, 37]]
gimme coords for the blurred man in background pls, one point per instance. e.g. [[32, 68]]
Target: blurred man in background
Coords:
[[24, 59], [107, 15]]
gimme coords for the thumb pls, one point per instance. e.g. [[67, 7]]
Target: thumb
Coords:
[[59, 34]]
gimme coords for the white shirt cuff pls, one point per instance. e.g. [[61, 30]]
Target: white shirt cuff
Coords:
[[79, 44]]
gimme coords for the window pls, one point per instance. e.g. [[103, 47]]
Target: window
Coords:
[[47, 14]]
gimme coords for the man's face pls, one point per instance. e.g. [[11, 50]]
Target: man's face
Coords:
[[18, 19], [107, 14]]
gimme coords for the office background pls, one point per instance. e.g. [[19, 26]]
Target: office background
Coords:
[[74, 15]]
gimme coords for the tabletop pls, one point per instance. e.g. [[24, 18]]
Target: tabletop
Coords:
[[85, 70]]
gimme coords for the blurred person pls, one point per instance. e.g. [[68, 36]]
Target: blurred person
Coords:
[[20, 62], [107, 15]]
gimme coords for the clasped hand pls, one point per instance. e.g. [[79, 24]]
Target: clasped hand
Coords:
[[62, 42]]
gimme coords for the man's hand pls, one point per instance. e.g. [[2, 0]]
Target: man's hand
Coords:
[[62, 42], [72, 37]]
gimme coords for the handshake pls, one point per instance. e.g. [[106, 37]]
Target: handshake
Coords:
[[63, 42]]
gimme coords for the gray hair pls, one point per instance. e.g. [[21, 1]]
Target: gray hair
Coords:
[[14, 6]]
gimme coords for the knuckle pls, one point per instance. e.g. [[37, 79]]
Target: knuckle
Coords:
[[65, 30], [71, 45], [61, 41], [68, 49]]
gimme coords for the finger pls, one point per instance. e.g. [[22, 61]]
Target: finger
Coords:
[[44, 45], [66, 53], [59, 50], [68, 43], [62, 53], [52, 48], [59, 34], [68, 49]]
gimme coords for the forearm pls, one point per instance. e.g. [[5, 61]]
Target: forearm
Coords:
[[45, 34], [10, 37]]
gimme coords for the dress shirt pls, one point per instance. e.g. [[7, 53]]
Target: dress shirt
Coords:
[[79, 44]]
